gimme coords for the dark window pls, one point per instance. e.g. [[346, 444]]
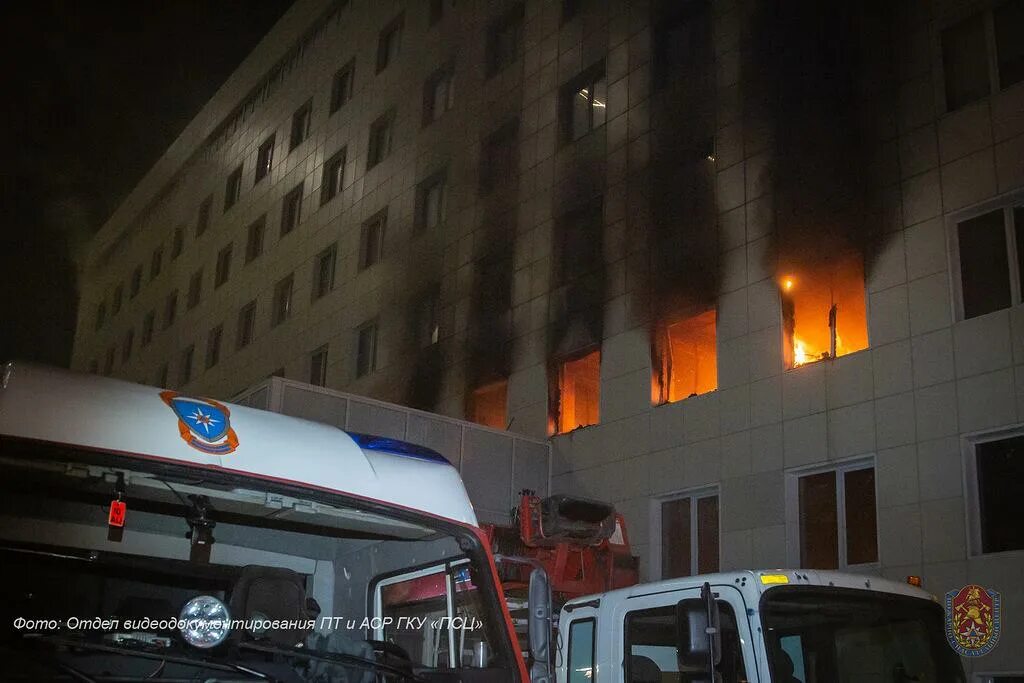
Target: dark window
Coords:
[[282, 301], [115, 305], [233, 189], [170, 309], [1009, 26], [689, 536], [1000, 469], [136, 283], [156, 262], [428, 322], [984, 264], [831, 535], [570, 8], [162, 375], [177, 242], [682, 42], [185, 367], [431, 198], [381, 132], [965, 62], [334, 176], [504, 40], [584, 102], [223, 270], [323, 271], [213, 345], [578, 242], [265, 158], [108, 362], [342, 86], [499, 157], [371, 240], [254, 238], [148, 324], [582, 637], [300, 125], [438, 94], [126, 349], [819, 522], [203, 219], [436, 11], [291, 210], [389, 43], [195, 290], [246, 325], [101, 314], [366, 349], [318, 367]]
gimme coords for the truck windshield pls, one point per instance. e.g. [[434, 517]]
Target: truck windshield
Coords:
[[104, 590], [832, 635]]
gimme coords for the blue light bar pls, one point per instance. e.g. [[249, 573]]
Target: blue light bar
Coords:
[[396, 447]]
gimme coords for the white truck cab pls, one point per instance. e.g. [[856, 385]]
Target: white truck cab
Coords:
[[783, 626]]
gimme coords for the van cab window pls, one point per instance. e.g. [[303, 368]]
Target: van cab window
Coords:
[[652, 656]]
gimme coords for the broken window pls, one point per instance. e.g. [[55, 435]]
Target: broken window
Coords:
[[990, 251], [838, 526], [579, 382], [488, 405], [823, 310], [688, 358], [689, 535]]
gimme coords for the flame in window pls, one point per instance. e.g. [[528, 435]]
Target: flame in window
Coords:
[[579, 382]]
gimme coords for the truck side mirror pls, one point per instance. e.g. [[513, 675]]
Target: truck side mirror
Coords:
[[698, 632], [540, 625]]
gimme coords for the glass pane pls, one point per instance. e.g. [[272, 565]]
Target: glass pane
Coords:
[[675, 538], [819, 526], [965, 62], [581, 651], [652, 655], [984, 267], [580, 113], [1000, 470], [1009, 23], [424, 597], [707, 535], [861, 525], [600, 103]]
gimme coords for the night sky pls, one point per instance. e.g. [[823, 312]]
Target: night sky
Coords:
[[94, 93]]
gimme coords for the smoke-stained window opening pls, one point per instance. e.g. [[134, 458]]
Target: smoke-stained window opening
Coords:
[[823, 309], [687, 352], [488, 405], [578, 392]]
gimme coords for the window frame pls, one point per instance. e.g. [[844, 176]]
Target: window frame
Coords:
[[186, 365], [506, 132], [340, 96], [657, 526], [991, 55], [265, 158], [280, 314], [177, 242], [135, 283], [493, 62], [232, 189], [256, 228], [376, 149], [374, 326], [567, 94], [365, 261], [443, 74], [330, 173], [247, 315], [592, 619], [214, 345], [320, 381], [317, 291], [972, 503], [156, 262], [222, 271], [438, 180], [302, 125], [194, 295], [205, 211], [395, 28], [1005, 202], [291, 210]]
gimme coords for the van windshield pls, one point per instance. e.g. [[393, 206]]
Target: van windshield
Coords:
[[833, 635], [201, 572]]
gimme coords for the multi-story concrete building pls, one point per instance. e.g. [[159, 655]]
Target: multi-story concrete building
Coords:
[[757, 271]]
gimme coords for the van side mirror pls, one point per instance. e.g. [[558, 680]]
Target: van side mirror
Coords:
[[540, 625], [698, 632]]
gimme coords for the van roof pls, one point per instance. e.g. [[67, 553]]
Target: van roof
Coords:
[[45, 404]]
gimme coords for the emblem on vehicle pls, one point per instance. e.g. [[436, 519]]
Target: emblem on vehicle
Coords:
[[972, 620], [203, 423]]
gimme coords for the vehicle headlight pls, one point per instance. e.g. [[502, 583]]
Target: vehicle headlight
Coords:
[[205, 621]]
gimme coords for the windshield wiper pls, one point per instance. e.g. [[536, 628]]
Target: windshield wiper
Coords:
[[335, 657], [149, 652]]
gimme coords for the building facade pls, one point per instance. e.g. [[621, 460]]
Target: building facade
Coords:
[[756, 270]]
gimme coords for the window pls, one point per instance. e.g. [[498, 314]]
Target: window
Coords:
[[581, 650], [323, 272], [334, 176], [503, 41], [246, 325], [488, 405], [371, 240], [823, 309], [341, 86], [254, 238], [688, 358], [195, 289], [499, 157], [177, 242], [162, 375], [126, 349], [983, 53], [148, 324], [185, 366], [436, 11], [431, 198], [682, 47], [837, 516], [366, 349], [101, 315], [428, 325], [203, 219], [291, 210], [156, 262], [300, 125], [438, 94], [584, 103], [232, 190], [990, 251], [108, 362], [118, 298], [265, 158], [380, 139], [652, 656], [318, 367], [213, 345], [223, 270], [570, 8], [689, 535], [136, 282], [996, 466], [579, 381], [170, 309], [282, 301], [1008, 20], [389, 43]]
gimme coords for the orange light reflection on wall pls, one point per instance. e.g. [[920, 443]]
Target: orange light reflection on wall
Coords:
[[488, 405], [579, 382], [689, 360]]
